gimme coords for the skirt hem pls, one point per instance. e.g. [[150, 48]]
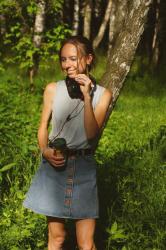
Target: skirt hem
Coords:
[[38, 211]]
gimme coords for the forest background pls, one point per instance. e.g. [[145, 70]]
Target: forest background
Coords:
[[131, 154]]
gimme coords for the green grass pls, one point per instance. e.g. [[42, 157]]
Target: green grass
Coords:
[[131, 164], [132, 160]]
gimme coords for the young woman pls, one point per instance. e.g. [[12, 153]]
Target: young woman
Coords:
[[67, 188]]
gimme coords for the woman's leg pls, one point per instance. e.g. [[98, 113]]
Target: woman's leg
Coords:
[[85, 229], [56, 233]]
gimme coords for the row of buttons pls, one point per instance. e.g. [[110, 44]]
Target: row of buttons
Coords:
[[69, 189]]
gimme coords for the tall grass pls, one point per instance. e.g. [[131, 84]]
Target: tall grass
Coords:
[[131, 164]]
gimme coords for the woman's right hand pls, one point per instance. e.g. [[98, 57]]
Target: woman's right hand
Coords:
[[57, 160]]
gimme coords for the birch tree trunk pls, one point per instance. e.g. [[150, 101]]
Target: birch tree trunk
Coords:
[[121, 57], [76, 18], [37, 38], [116, 22], [39, 23], [96, 9], [87, 18], [103, 26], [111, 27], [155, 42]]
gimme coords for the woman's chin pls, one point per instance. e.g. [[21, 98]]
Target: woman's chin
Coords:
[[71, 75]]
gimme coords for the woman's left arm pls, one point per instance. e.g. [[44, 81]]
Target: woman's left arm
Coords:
[[93, 120]]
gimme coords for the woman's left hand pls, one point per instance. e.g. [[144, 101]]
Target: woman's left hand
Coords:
[[85, 83]]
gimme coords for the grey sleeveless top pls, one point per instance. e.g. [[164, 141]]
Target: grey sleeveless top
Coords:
[[73, 130]]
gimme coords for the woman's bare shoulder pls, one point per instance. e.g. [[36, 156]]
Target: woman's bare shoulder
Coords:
[[105, 99], [50, 87], [49, 92], [108, 93]]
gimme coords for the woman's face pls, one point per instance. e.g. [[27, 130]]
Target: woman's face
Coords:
[[72, 63]]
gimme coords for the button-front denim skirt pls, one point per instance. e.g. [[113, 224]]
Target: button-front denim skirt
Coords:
[[65, 192]]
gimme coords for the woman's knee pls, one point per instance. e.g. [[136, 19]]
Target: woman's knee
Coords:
[[85, 234], [86, 245], [56, 234], [57, 241]]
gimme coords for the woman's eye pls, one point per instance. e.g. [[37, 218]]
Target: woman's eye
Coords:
[[63, 59], [74, 58]]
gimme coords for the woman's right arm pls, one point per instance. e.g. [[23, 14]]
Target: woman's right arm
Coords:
[[47, 152], [46, 115]]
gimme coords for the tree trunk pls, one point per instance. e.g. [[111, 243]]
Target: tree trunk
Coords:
[[121, 57], [39, 23], [37, 38], [97, 9], [102, 28], [117, 17], [112, 21], [155, 42], [87, 18], [2, 24], [122, 10], [76, 18]]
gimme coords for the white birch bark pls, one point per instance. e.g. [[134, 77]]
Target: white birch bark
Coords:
[[76, 18], [96, 9], [155, 42], [118, 13], [87, 19], [122, 8], [39, 23], [102, 28], [37, 38], [112, 21]]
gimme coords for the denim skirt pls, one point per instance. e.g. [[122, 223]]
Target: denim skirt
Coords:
[[65, 192]]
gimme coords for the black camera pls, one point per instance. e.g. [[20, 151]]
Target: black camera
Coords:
[[58, 143], [74, 88], [60, 147]]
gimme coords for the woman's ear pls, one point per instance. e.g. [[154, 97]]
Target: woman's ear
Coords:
[[89, 59]]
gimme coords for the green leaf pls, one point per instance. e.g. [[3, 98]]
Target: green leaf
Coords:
[[7, 167], [114, 227], [119, 236]]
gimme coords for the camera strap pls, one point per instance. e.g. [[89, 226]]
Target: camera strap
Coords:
[[68, 118]]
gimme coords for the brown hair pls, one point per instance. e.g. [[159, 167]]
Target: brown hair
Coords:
[[83, 46]]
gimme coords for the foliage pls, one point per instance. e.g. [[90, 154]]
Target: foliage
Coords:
[[53, 41], [18, 38], [134, 184], [18, 160], [24, 50]]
